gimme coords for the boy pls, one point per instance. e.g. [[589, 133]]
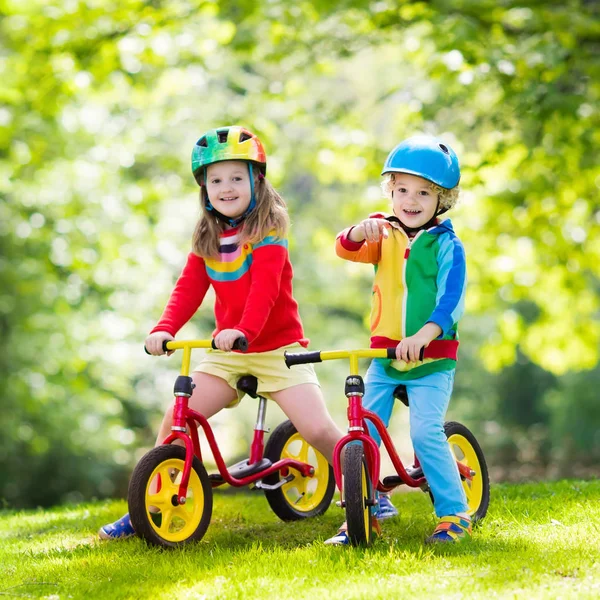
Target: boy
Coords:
[[418, 298]]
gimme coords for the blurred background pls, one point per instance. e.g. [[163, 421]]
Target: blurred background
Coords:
[[102, 102]]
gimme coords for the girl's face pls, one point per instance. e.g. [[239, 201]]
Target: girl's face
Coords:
[[228, 187], [413, 200]]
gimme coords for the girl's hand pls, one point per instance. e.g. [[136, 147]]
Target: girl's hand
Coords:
[[409, 348], [154, 343], [371, 230], [224, 339]]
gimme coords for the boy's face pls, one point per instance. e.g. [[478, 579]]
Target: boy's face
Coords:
[[228, 187], [413, 200]]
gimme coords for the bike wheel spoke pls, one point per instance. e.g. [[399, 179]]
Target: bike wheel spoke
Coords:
[[303, 454], [167, 517], [166, 479], [287, 454], [159, 500]]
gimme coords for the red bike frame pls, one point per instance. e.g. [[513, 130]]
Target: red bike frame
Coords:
[[358, 432], [185, 419], [358, 417]]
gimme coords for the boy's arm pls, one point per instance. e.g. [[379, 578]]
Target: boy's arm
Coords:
[[451, 284], [364, 250], [268, 260], [186, 297]]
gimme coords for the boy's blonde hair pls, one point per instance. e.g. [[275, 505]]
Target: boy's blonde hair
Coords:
[[447, 198], [270, 213]]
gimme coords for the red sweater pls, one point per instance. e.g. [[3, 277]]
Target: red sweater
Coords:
[[253, 287]]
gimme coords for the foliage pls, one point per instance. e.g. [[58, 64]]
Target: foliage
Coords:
[[102, 102]]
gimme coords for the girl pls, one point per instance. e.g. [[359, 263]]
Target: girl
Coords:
[[240, 248], [418, 298]]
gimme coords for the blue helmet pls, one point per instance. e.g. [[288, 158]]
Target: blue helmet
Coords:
[[427, 157]]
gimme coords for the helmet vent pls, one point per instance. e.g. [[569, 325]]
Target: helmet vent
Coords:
[[244, 136], [444, 149], [202, 142], [222, 136]]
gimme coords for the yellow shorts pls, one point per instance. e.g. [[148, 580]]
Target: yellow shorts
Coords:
[[268, 367]]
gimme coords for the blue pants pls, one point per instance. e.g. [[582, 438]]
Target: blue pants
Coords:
[[428, 399]]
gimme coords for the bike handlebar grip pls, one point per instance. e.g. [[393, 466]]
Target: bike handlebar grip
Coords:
[[240, 344], [302, 358], [391, 353], [164, 347]]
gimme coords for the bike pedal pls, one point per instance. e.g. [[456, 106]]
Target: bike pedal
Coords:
[[391, 480]]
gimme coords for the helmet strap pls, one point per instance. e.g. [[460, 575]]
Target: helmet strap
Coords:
[[224, 218]]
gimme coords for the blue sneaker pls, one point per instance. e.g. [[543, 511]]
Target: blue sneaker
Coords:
[[339, 539], [385, 509], [120, 529]]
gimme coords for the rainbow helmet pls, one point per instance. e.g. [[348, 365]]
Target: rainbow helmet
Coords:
[[425, 156], [227, 143]]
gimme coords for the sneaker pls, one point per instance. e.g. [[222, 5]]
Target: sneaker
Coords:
[[450, 529], [120, 529], [385, 509], [339, 539]]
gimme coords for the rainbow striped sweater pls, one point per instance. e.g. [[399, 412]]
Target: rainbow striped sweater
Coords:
[[417, 281], [253, 288]]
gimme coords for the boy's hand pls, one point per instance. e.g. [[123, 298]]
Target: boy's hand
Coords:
[[409, 348], [154, 343], [371, 230], [224, 339]]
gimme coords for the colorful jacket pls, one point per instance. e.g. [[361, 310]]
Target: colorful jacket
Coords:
[[417, 281], [253, 288]]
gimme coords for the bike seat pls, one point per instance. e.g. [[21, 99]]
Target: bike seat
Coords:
[[248, 384], [401, 394]]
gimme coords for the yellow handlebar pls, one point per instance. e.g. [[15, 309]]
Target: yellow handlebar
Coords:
[[240, 343], [300, 358], [186, 346], [183, 344]]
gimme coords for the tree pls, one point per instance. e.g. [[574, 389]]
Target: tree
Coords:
[[102, 102]]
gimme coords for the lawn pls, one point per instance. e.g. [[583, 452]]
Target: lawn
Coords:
[[538, 541]]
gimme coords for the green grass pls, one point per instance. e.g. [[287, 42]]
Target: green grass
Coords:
[[538, 541]]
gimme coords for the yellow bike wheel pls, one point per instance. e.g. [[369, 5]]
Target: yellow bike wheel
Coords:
[[301, 497], [467, 451], [155, 513]]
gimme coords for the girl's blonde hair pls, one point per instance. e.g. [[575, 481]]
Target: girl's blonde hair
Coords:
[[270, 213], [447, 198]]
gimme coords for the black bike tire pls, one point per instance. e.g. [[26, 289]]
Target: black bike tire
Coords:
[[357, 495]]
